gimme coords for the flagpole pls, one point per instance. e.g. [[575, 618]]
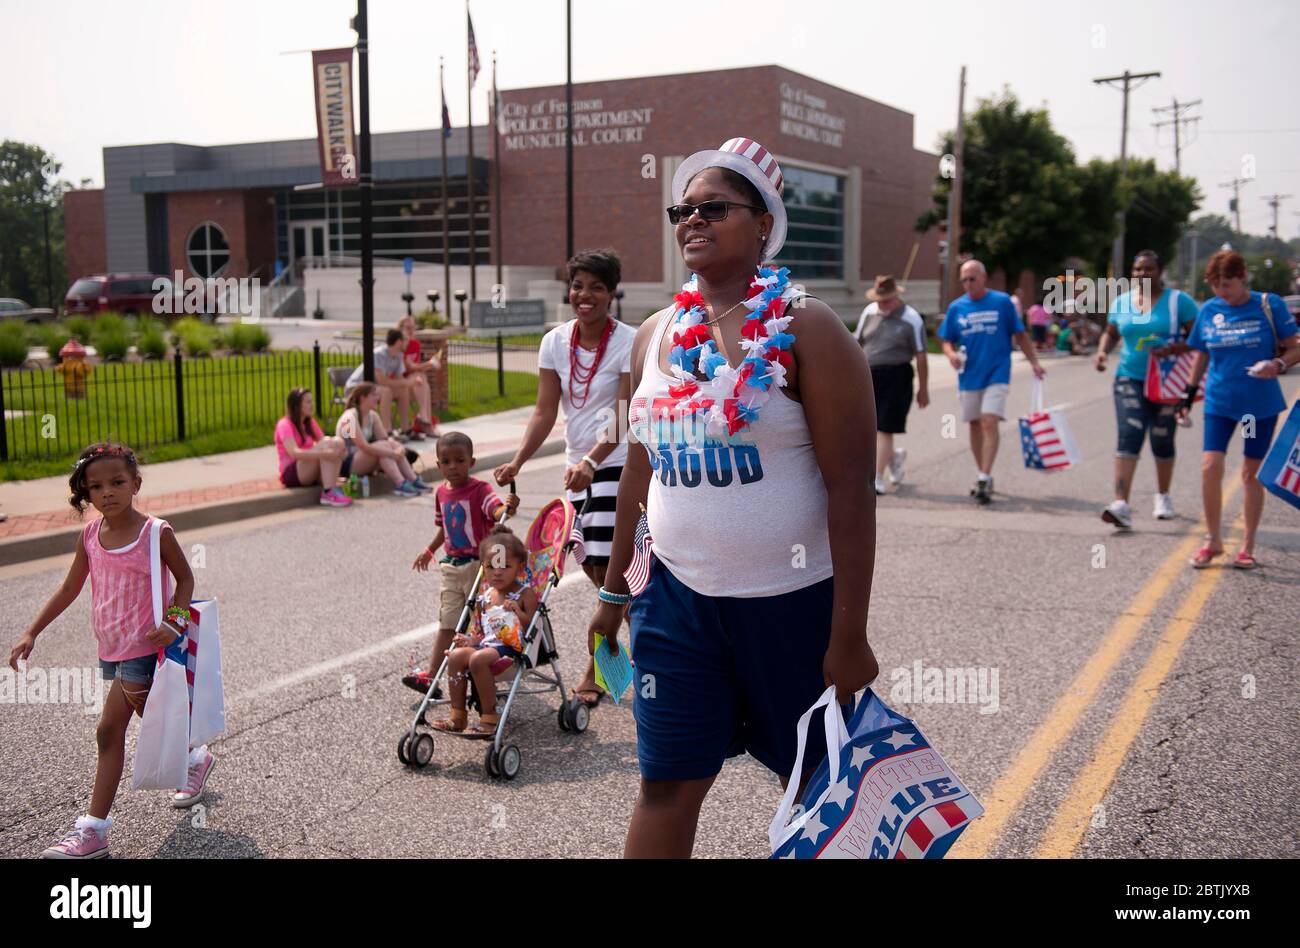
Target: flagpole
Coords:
[[469, 127], [498, 233], [362, 27], [568, 129], [446, 240]]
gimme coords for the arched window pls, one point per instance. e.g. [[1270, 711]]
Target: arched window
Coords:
[[207, 250]]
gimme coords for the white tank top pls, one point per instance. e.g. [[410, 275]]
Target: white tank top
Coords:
[[744, 516]]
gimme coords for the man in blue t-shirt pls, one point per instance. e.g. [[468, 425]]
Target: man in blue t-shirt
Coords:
[[984, 324]]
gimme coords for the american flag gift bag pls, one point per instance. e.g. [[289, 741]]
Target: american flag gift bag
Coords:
[[1280, 472], [1045, 437], [1167, 378], [881, 793]]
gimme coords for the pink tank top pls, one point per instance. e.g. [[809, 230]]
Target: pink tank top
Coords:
[[121, 606]]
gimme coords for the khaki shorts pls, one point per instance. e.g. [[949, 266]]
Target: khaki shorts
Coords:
[[457, 588], [984, 401]]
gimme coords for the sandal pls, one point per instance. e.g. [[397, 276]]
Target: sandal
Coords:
[[486, 727], [1204, 556], [1245, 560], [454, 724], [577, 694]]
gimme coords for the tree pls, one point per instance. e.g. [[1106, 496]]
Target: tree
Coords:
[[29, 192], [1271, 275], [1159, 205], [1022, 202]]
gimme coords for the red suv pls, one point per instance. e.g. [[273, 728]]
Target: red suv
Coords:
[[127, 293]]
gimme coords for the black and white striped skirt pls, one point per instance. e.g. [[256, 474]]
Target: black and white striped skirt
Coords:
[[598, 522]]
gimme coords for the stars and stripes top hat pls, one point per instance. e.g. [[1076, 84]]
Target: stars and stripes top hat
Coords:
[[748, 158]]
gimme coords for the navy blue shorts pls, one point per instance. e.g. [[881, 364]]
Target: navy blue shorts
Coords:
[[1218, 432], [136, 670], [718, 677]]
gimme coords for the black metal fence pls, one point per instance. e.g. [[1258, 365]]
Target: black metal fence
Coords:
[[51, 413]]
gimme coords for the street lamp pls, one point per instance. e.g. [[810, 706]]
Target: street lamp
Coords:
[[461, 296], [432, 296]]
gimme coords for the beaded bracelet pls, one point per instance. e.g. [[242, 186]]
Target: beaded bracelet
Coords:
[[614, 599]]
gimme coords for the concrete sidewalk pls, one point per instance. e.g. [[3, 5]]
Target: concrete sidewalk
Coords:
[[216, 488]]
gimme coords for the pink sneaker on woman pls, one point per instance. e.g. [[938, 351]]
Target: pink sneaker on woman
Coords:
[[198, 776], [86, 841], [335, 498]]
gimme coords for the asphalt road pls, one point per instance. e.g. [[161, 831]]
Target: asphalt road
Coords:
[[1138, 709]]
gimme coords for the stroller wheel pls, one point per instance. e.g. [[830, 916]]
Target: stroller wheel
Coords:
[[402, 751], [565, 724], [510, 760], [490, 762], [421, 750], [580, 715]]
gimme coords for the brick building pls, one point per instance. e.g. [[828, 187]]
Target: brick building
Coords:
[[855, 185]]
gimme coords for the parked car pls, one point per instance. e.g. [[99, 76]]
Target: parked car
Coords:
[[127, 293], [17, 309], [1293, 304]]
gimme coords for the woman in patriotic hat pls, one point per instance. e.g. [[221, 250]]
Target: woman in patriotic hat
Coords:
[[752, 568]]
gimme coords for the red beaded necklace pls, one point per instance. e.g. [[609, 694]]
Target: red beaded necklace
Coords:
[[584, 375]]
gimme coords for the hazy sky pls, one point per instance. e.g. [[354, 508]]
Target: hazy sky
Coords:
[[89, 73]]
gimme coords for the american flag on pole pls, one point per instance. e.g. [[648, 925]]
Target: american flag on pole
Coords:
[[1043, 443], [446, 116], [473, 49], [637, 573]]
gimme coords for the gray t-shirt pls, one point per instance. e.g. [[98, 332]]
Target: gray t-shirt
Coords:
[[393, 365], [893, 339]]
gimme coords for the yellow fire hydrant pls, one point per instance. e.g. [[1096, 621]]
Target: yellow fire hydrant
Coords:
[[73, 368]]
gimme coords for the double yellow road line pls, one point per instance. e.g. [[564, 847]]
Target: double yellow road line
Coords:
[[1075, 811]]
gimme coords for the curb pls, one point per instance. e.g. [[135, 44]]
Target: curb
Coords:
[[58, 542]]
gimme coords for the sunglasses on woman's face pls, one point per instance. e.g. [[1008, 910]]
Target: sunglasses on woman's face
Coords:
[[708, 210]]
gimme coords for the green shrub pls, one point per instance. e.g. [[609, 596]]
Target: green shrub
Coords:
[[261, 338], [431, 319], [80, 327], [13, 344], [194, 337], [50, 335], [111, 336], [150, 339]]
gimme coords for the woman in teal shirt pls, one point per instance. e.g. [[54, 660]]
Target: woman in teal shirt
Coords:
[[1245, 340], [1143, 329]]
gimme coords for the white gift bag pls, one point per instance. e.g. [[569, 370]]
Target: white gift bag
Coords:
[[1045, 437]]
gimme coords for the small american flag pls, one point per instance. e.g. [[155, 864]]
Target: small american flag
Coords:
[[1169, 386], [473, 49], [1042, 444], [637, 573], [579, 549]]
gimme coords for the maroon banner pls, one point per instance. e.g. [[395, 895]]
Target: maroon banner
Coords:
[[332, 81]]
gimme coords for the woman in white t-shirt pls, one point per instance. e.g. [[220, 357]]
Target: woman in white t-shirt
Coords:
[[585, 365]]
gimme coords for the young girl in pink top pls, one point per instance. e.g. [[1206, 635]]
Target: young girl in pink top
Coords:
[[113, 550]]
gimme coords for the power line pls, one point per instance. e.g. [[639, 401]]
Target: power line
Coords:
[[1235, 206], [1178, 120], [1274, 201]]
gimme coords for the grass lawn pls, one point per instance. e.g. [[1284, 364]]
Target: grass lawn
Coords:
[[230, 404]]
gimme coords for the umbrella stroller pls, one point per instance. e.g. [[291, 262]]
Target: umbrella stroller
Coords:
[[549, 542]]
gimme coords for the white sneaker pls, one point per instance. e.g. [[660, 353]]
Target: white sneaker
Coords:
[[1164, 507], [1119, 514], [881, 490], [897, 466]]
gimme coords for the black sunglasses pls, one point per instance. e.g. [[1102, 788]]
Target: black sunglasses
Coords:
[[708, 210]]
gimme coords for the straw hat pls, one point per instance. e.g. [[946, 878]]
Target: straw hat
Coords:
[[885, 289]]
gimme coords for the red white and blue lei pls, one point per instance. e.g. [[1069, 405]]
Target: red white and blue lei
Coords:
[[730, 399]]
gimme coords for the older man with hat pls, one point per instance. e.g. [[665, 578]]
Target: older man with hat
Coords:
[[892, 334]]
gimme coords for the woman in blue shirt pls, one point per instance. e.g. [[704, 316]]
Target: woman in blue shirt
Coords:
[[1245, 341], [1143, 326]]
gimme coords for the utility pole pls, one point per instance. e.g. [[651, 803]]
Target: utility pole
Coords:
[[1178, 121], [1128, 81], [1274, 201], [568, 129], [1236, 184], [954, 196], [367, 184]]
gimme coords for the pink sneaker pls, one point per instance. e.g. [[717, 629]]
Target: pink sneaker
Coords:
[[86, 841], [335, 498], [193, 791]]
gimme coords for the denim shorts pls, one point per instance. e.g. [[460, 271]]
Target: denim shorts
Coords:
[[136, 670], [721, 676], [1136, 415]]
